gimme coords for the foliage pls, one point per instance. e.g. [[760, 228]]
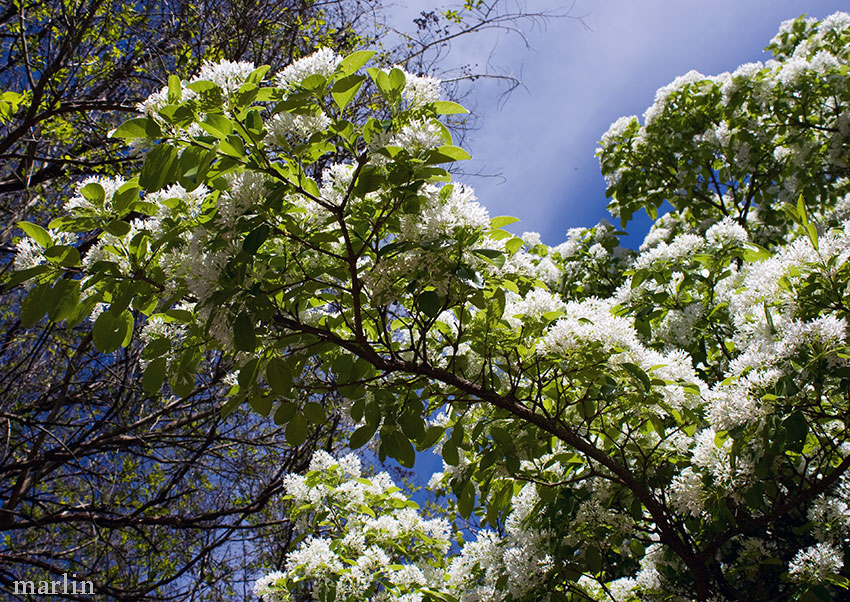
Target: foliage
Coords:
[[675, 430]]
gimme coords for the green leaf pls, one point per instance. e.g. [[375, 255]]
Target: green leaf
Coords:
[[797, 429], [233, 147], [234, 402], [502, 220], [255, 239], [217, 126], [450, 454], [125, 195], [398, 446], [514, 245], [248, 373], [432, 435], [35, 305], [397, 79], [109, 331], [64, 255], [154, 375], [446, 107], [278, 376], [430, 303], [243, 332], [175, 89], [314, 412], [64, 296], [258, 74], [801, 211], [285, 411], [637, 372], [23, 275], [593, 559], [156, 348], [261, 404], [354, 61], [139, 127], [315, 83], [495, 257], [160, 167], [345, 89], [812, 233], [447, 154], [381, 80], [203, 86], [94, 193], [296, 430], [37, 233], [118, 228], [466, 499], [362, 436], [369, 180]]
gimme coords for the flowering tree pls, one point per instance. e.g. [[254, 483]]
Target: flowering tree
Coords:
[[170, 486], [670, 424]]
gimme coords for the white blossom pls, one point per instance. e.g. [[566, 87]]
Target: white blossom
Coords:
[[814, 564], [322, 62]]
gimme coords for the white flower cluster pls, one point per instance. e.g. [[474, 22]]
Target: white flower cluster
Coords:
[[110, 187], [441, 217], [29, 254], [379, 548], [285, 126], [322, 62], [227, 75], [378, 536], [420, 89], [521, 555], [535, 303], [767, 333], [816, 563]]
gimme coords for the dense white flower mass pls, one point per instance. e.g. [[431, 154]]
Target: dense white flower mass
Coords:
[[589, 322], [420, 89], [687, 493], [816, 563], [227, 75], [284, 126], [29, 253], [322, 62], [534, 305], [109, 186], [727, 233]]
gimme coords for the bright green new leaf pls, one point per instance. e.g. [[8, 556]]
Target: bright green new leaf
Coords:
[[345, 89], [502, 220], [446, 107], [37, 233], [138, 127], [354, 61]]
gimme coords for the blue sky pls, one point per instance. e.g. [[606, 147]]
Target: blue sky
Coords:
[[578, 79]]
